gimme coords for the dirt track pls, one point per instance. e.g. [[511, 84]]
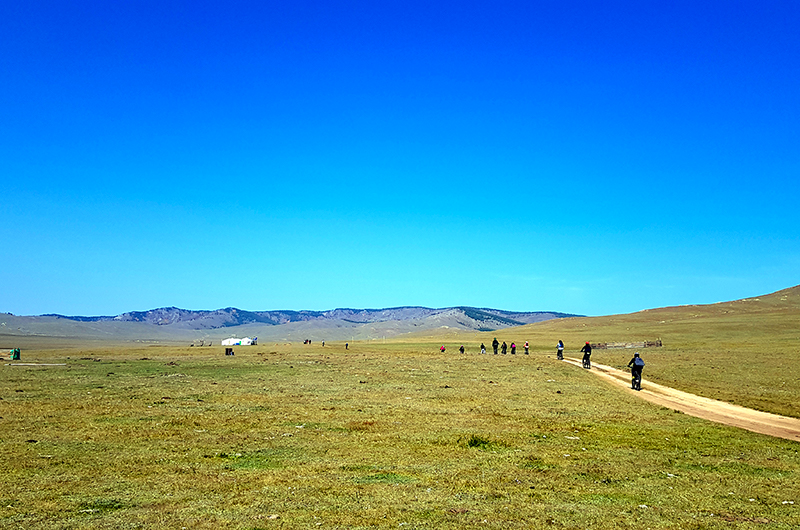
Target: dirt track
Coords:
[[700, 407]]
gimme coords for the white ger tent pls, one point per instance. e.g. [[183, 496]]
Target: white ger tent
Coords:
[[247, 341]]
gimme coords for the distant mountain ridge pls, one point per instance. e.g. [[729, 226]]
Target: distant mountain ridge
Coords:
[[172, 325], [484, 319]]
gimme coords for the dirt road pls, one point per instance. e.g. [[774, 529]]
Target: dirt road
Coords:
[[701, 407]]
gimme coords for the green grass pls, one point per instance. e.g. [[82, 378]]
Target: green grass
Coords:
[[382, 435]]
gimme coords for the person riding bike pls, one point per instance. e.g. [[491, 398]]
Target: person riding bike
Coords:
[[560, 351], [636, 364], [587, 353]]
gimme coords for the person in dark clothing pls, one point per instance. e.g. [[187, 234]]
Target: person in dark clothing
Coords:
[[504, 348], [636, 364], [513, 348], [587, 353], [560, 351], [483, 348], [495, 344], [461, 349]]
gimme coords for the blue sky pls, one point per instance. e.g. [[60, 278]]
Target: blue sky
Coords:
[[584, 157]]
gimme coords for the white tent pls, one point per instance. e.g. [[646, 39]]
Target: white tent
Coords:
[[247, 341]]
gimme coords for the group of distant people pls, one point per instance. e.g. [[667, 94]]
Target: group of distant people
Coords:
[[504, 347], [495, 345], [636, 364]]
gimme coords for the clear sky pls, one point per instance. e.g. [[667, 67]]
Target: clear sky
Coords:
[[585, 157]]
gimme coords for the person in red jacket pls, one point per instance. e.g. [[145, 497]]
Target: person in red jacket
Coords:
[[587, 353]]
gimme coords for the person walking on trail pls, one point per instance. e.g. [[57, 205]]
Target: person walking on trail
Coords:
[[587, 353], [461, 349], [483, 349], [636, 364], [504, 348], [495, 344], [560, 350], [526, 347], [513, 349]]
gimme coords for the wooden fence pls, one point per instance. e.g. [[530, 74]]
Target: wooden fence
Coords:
[[620, 345]]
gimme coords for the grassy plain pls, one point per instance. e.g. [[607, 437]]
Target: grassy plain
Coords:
[[390, 435]]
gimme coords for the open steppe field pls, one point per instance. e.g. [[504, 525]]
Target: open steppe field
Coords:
[[390, 435]]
